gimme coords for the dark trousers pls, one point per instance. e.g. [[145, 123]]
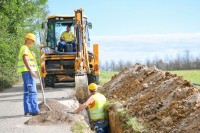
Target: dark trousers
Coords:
[[67, 46], [101, 126]]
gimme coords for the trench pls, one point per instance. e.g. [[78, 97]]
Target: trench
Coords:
[[140, 99]]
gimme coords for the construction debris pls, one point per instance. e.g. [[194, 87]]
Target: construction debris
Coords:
[[160, 101]]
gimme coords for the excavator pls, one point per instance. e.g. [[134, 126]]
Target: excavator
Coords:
[[80, 66]]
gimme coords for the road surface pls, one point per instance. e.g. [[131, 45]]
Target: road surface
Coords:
[[11, 109]]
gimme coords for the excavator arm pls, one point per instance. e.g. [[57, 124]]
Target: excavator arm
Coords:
[[81, 62]]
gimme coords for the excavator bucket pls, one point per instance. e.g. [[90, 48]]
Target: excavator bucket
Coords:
[[81, 88]]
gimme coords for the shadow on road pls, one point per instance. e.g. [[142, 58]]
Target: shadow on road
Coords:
[[39, 99], [12, 95], [12, 116], [19, 88]]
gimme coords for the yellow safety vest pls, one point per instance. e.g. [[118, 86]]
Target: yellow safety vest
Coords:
[[97, 108], [21, 66]]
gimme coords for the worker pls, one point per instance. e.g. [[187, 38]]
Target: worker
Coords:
[[27, 67], [67, 38], [96, 104]]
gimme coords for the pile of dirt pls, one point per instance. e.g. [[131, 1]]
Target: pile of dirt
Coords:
[[57, 114], [51, 117], [162, 101], [53, 104]]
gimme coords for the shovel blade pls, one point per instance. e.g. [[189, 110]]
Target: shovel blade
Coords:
[[81, 88]]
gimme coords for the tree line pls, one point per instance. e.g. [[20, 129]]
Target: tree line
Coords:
[[18, 17], [180, 62]]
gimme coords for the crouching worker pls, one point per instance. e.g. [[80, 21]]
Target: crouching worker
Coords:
[[96, 104]]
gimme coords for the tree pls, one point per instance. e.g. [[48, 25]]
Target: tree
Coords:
[[113, 65], [106, 66], [121, 65], [18, 17]]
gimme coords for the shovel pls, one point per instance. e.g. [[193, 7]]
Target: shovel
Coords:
[[41, 84]]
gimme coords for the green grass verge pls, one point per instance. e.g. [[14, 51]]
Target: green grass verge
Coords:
[[106, 76], [190, 75]]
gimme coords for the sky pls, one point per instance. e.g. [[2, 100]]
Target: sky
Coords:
[[137, 30]]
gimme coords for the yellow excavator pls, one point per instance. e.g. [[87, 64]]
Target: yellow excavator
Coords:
[[80, 65]]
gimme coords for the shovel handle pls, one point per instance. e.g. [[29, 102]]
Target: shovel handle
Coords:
[[41, 84]]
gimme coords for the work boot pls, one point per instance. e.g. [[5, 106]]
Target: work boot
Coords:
[[36, 114], [27, 114]]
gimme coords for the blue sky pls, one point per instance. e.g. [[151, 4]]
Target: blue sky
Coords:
[[139, 29]]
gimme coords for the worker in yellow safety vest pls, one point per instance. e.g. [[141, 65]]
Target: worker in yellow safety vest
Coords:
[[96, 104], [67, 43], [27, 67]]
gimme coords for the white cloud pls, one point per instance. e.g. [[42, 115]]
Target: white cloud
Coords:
[[141, 47], [154, 38]]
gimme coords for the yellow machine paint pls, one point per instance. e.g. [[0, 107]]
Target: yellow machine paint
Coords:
[[80, 66]]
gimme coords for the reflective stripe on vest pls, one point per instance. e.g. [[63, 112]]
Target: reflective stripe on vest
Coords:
[[21, 66], [97, 111], [25, 66], [97, 114]]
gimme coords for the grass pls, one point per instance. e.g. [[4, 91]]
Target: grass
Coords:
[[122, 111], [190, 75], [78, 127], [135, 125], [106, 76], [130, 121]]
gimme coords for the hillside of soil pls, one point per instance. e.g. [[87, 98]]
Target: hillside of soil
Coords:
[[161, 101]]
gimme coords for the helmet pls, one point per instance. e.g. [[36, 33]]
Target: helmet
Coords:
[[31, 36], [93, 87]]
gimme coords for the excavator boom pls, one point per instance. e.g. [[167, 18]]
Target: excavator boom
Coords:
[[81, 64]]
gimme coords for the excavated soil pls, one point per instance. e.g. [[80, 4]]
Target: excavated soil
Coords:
[[53, 104], [161, 101], [56, 115]]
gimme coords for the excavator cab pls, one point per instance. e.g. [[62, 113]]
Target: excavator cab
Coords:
[[81, 65]]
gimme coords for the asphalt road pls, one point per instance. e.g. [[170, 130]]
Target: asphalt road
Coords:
[[11, 110]]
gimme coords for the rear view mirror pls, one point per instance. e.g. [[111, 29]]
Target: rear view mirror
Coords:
[[89, 25]]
